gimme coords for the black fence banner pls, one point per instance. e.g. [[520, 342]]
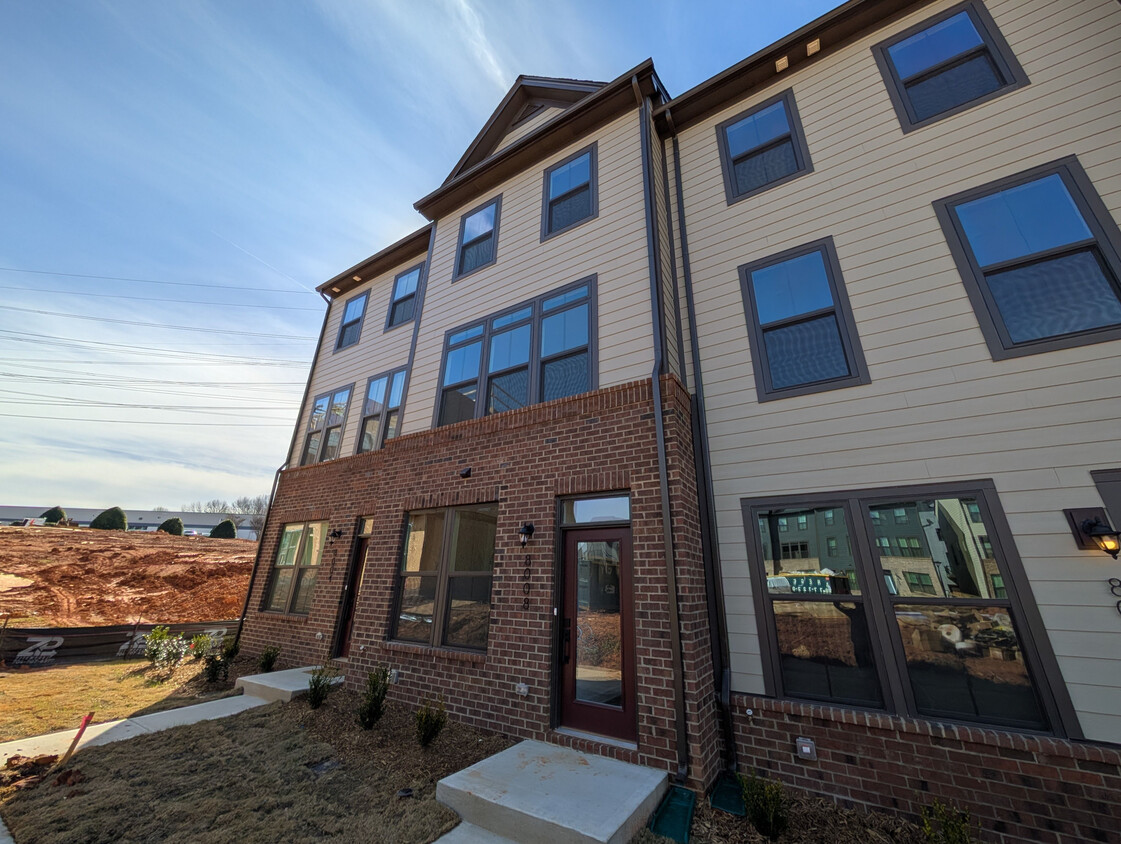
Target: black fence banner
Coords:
[[42, 646]]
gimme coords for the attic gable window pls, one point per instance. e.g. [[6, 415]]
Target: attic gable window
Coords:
[[351, 327], [762, 148], [402, 308], [570, 193], [478, 238]]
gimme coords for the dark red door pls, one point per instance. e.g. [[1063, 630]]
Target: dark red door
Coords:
[[597, 634], [350, 599]]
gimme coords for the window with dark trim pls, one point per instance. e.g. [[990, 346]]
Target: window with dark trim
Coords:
[[947, 634], [402, 306], [533, 352], [570, 193], [1040, 257], [803, 338], [325, 427], [947, 64], [444, 580], [295, 568], [381, 412], [762, 147], [351, 328], [478, 238]]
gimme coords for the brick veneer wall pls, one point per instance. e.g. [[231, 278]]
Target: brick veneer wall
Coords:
[[1017, 787], [598, 442]]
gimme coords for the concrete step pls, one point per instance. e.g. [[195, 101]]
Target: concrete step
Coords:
[[279, 685], [554, 795], [465, 833]]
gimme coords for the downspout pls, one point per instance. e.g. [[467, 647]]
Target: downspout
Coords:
[[282, 467], [658, 315]]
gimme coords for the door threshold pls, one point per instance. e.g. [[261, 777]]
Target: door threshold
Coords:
[[602, 739]]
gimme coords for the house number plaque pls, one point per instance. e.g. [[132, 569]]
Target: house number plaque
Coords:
[[527, 572], [1115, 588]]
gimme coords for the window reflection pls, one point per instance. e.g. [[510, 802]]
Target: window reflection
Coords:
[[825, 652]]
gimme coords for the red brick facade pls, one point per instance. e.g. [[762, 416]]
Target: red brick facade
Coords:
[[525, 460]]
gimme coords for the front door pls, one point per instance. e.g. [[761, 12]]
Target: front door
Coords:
[[349, 603], [597, 634]]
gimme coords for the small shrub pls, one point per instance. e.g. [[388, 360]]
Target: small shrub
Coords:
[[266, 662], [942, 824], [201, 645], [225, 529], [230, 648], [170, 651], [319, 686], [765, 801], [153, 642], [429, 721], [174, 526], [112, 519], [373, 698], [54, 516], [215, 667]]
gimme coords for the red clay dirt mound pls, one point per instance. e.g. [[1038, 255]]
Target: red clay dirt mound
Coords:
[[67, 577]]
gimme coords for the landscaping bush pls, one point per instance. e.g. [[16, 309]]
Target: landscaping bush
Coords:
[[429, 721], [319, 686], [112, 519], [164, 650], [225, 529], [230, 648], [942, 824], [174, 526], [153, 641], [201, 645], [54, 516], [266, 662], [214, 667], [765, 801], [373, 697]]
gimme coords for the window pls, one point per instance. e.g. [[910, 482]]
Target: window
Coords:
[[381, 414], [900, 515], [570, 194], [974, 510], [297, 562], [536, 351], [325, 427], [986, 547], [402, 308], [445, 577], [942, 636], [803, 521], [1040, 257], [478, 238], [828, 517], [351, 327], [795, 550], [803, 338], [762, 148], [947, 64], [910, 546]]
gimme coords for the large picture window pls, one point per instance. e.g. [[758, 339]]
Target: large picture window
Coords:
[[445, 577], [325, 426], [381, 413], [478, 238], [297, 563], [926, 616], [762, 147], [570, 195]]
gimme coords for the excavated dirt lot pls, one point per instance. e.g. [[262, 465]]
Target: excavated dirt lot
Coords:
[[75, 577]]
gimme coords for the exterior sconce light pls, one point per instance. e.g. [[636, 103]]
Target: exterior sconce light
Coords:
[[526, 533], [1103, 536], [1092, 532], [336, 533], [465, 472]]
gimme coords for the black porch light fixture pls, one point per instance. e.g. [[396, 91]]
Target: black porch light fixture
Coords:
[[526, 533], [336, 533], [1092, 531], [1103, 536]]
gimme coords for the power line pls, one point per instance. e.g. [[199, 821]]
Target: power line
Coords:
[[157, 281], [143, 422], [162, 325], [153, 299]]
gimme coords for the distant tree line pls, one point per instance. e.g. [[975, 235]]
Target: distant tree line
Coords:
[[247, 510]]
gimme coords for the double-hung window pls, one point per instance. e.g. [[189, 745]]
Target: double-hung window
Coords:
[[533, 352], [351, 327], [445, 576], [1040, 257], [402, 308], [569, 193], [947, 64], [478, 238], [381, 414], [297, 562], [325, 427], [762, 148], [803, 338]]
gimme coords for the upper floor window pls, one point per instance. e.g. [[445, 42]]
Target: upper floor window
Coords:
[[478, 238], [325, 427], [536, 351], [403, 306], [947, 64], [762, 147], [570, 194], [381, 414], [297, 563], [351, 326], [1040, 257], [800, 327]]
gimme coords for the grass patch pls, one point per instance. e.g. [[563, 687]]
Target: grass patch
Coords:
[[281, 772]]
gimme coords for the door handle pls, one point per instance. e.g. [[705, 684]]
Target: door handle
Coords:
[[566, 644]]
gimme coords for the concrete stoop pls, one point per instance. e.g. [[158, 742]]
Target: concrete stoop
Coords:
[[279, 685], [537, 792]]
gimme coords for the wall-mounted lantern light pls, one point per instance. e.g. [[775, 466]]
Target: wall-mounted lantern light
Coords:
[[1092, 531], [526, 533], [336, 533], [465, 472]]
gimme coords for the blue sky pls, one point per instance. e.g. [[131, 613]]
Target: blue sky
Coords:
[[177, 177]]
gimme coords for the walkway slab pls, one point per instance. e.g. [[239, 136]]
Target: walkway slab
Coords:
[[544, 793], [465, 833], [279, 685]]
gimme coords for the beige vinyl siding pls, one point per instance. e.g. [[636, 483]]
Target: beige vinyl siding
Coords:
[[376, 351], [938, 408], [678, 254], [671, 313], [518, 132], [613, 246]]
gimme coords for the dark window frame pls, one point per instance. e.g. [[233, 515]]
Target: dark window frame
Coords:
[[887, 648], [387, 409], [298, 570], [797, 137], [993, 43], [456, 271], [536, 359], [1106, 239], [324, 428], [1108, 484], [592, 151], [360, 321], [842, 311], [394, 302]]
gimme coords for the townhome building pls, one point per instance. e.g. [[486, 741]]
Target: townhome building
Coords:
[[771, 426]]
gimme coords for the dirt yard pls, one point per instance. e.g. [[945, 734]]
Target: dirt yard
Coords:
[[74, 577]]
